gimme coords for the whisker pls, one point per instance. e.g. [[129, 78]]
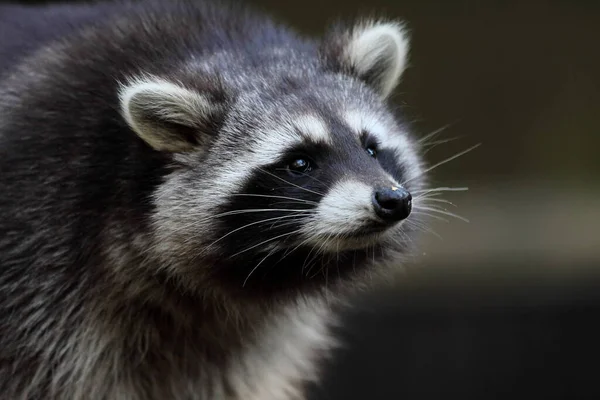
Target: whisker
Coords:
[[432, 145], [431, 215], [275, 197], [320, 270], [440, 141], [306, 260], [313, 261], [276, 225], [254, 210], [427, 196], [238, 212], [447, 160], [290, 183], [277, 203], [443, 212], [440, 189], [317, 254], [264, 242], [424, 228], [288, 252], [305, 174], [435, 133], [426, 199], [258, 265], [250, 224]]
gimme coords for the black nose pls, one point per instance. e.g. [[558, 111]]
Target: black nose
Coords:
[[392, 204]]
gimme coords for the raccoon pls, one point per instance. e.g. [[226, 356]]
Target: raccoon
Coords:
[[189, 192]]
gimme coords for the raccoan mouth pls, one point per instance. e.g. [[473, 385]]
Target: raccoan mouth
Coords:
[[356, 240], [375, 229]]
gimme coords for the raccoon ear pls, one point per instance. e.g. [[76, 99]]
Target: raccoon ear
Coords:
[[168, 116], [375, 52]]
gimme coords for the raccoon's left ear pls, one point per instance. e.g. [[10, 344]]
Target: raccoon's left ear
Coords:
[[375, 52], [168, 116]]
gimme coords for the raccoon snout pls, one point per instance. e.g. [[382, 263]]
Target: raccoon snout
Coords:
[[392, 204]]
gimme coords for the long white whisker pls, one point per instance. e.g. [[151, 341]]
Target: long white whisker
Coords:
[[306, 260], [447, 160], [254, 210], [314, 258], [443, 212], [276, 225], [252, 224], [295, 203], [430, 215], [436, 144], [439, 189], [424, 200], [427, 196], [258, 265], [317, 254], [307, 175], [435, 133], [264, 242], [288, 252], [290, 183], [424, 228], [275, 197], [237, 212]]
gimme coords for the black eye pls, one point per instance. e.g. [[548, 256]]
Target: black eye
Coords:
[[372, 151], [299, 165]]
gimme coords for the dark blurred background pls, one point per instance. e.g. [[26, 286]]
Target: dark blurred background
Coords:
[[504, 306]]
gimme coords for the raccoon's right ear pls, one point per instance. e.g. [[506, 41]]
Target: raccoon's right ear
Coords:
[[168, 116], [374, 51]]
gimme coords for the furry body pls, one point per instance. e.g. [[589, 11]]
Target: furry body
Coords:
[[142, 148]]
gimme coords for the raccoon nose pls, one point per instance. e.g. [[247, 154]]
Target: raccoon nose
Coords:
[[392, 204]]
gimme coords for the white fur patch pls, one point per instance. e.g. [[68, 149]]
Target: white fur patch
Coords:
[[286, 354], [345, 208], [383, 46], [313, 128], [386, 136]]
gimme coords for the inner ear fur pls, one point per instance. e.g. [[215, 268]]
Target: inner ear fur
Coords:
[[373, 51], [168, 116]]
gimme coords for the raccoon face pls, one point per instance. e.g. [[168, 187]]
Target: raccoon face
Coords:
[[290, 171]]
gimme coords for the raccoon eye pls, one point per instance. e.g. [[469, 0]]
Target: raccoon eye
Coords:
[[299, 165], [372, 151]]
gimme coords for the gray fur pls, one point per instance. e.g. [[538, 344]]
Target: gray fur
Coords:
[[118, 278]]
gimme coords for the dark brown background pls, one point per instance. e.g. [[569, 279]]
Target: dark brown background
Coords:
[[504, 306]]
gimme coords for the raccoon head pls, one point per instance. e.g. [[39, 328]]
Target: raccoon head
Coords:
[[290, 170]]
